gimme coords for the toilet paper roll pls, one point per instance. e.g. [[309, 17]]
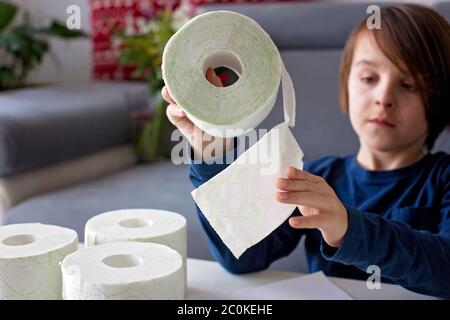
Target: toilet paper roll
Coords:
[[230, 39], [123, 270], [143, 225], [30, 257]]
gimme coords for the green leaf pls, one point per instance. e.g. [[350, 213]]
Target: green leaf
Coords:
[[143, 147], [38, 49], [14, 40], [26, 44], [7, 13], [7, 78], [23, 44], [144, 51], [58, 29]]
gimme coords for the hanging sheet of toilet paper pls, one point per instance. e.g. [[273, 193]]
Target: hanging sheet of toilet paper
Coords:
[[239, 202], [143, 225], [123, 271], [224, 38], [30, 257]]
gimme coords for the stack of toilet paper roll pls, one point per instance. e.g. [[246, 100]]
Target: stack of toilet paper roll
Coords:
[[116, 264], [129, 254]]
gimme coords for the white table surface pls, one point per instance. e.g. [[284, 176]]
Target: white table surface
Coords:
[[204, 276]]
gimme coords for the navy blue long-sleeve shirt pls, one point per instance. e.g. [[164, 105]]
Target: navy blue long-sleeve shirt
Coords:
[[398, 220]]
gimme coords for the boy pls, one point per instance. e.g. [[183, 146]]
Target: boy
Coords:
[[389, 205]]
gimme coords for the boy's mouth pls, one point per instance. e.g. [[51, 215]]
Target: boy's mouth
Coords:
[[382, 122]]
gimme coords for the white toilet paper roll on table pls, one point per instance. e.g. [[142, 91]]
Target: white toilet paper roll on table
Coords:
[[144, 225], [123, 270], [30, 257], [225, 38]]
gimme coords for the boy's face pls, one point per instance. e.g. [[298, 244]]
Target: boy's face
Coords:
[[386, 110]]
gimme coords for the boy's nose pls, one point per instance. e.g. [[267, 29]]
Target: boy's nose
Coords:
[[384, 103], [385, 96]]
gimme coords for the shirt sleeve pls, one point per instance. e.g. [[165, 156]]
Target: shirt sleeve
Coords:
[[279, 243], [415, 259]]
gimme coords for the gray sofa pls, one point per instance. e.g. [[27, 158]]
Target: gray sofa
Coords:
[[310, 38]]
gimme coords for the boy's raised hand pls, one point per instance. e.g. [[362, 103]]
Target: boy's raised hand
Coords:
[[318, 203], [177, 116], [179, 119]]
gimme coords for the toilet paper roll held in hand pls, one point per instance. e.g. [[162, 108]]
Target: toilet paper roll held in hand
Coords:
[[123, 270], [229, 39], [30, 257]]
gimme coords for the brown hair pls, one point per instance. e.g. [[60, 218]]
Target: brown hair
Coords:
[[416, 39]]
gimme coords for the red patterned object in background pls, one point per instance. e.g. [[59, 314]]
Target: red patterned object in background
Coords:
[[128, 15], [131, 16], [200, 2]]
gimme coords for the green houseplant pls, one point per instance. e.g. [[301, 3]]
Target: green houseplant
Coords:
[[144, 51], [23, 46]]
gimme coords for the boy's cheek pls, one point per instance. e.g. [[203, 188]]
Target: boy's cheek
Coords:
[[356, 117]]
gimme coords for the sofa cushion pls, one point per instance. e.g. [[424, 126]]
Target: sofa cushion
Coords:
[[312, 25], [18, 187], [307, 26], [46, 125]]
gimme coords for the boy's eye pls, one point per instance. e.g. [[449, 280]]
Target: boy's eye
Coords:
[[367, 79], [409, 87]]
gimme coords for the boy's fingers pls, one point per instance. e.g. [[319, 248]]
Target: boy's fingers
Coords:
[[305, 198], [213, 78], [179, 120], [210, 76], [308, 211], [294, 173], [166, 96], [309, 222], [174, 111], [297, 185]]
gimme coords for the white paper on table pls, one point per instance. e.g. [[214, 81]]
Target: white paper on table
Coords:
[[239, 202], [315, 286]]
